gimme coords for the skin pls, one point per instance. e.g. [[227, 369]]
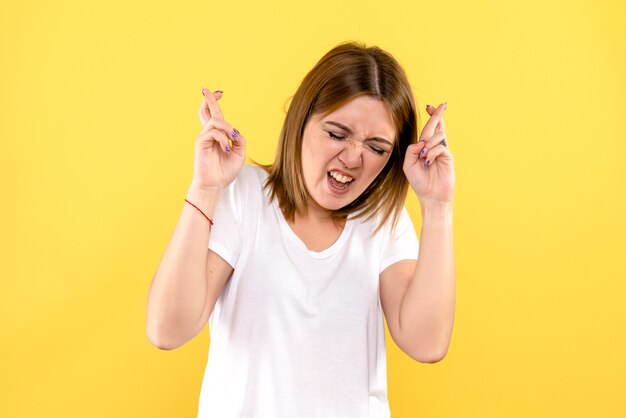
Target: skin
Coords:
[[417, 297], [326, 147]]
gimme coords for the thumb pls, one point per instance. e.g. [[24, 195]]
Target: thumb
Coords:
[[413, 151], [412, 155]]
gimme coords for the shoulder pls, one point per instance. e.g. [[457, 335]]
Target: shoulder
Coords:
[[242, 198], [387, 230], [250, 178], [251, 174]]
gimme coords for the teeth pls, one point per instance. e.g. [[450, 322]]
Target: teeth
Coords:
[[341, 178]]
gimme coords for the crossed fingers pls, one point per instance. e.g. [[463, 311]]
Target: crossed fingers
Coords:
[[433, 135], [212, 119], [209, 106]]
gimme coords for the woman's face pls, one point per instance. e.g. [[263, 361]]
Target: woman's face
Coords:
[[343, 152]]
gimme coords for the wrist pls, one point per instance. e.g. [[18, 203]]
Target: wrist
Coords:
[[204, 198], [433, 210], [204, 191]]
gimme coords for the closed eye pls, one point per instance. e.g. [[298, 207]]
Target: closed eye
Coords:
[[374, 148], [377, 150], [333, 136]]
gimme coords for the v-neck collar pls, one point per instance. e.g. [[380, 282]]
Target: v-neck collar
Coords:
[[286, 228]]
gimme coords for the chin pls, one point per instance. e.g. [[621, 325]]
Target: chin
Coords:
[[333, 203]]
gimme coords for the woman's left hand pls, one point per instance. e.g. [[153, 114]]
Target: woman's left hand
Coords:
[[431, 173]]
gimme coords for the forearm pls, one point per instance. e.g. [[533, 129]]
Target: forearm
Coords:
[[177, 293], [427, 309]]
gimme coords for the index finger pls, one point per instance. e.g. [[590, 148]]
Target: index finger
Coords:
[[441, 125], [429, 128], [214, 108], [203, 112]]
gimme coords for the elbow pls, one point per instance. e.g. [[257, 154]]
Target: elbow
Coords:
[[435, 358], [161, 341], [161, 344], [425, 355], [166, 335]]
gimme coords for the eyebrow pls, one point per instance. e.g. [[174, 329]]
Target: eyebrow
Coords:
[[345, 128]]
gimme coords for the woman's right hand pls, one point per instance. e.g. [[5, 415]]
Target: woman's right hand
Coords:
[[216, 163]]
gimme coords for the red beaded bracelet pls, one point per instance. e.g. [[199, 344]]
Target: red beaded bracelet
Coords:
[[209, 219]]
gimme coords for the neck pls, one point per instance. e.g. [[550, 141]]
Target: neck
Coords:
[[314, 213]]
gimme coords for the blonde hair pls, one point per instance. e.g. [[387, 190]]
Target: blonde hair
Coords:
[[347, 71]]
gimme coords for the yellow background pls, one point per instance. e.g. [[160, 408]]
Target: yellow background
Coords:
[[98, 118]]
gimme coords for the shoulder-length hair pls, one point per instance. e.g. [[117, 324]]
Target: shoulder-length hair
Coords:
[[349, 70]]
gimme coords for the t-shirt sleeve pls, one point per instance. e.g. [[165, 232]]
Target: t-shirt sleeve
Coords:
[[402, 243], [225, 239]]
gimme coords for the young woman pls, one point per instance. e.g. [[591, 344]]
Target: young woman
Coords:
[[307, 254]]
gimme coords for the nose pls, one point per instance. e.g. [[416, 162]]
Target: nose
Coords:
[[351, 156]]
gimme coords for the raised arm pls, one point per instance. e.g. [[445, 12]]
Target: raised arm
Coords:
[[190, 277], [419, 298]]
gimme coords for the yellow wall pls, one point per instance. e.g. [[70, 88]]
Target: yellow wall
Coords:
[[98, 118]]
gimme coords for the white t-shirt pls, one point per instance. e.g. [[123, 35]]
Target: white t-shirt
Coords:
[[297, 333]]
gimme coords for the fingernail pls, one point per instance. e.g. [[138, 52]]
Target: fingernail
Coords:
[[423, 152], [235, 135], [202, 90], [421, 140], [426, 163], [428, 106], [227, 148], [219, 91], [445, 105]]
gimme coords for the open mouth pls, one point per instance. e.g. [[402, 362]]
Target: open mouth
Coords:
[[339, 182]]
